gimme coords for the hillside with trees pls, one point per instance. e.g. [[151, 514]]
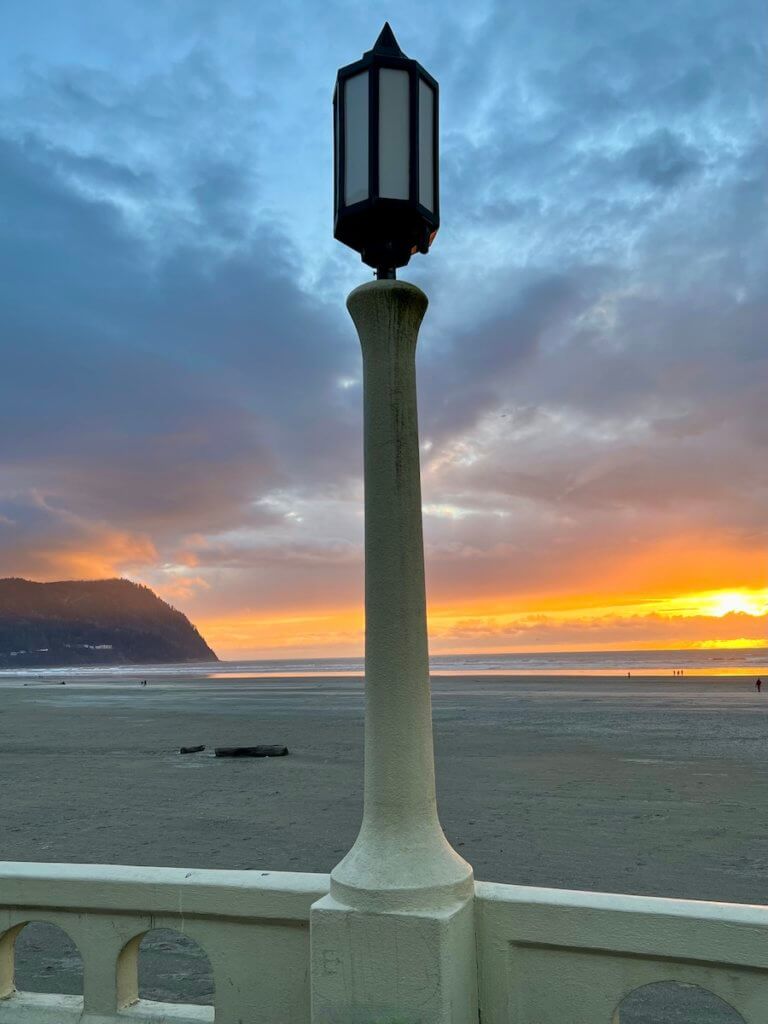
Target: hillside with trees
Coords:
[[92, 622]]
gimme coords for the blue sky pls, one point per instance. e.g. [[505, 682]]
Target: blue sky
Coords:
[[180, 397]]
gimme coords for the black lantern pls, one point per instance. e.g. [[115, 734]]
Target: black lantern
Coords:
[[386, 201]]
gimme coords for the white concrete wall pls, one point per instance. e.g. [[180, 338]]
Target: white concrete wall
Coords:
[[545, 956]]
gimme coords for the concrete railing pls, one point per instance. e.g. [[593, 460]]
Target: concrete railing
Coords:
[[545, 956], [253, 926], [550, 956]]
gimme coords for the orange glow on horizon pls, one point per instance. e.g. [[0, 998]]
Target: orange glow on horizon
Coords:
[[335, 633], [705, 620], [731, 645]]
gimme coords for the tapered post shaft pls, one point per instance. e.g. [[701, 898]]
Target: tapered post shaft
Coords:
[[401, 844]]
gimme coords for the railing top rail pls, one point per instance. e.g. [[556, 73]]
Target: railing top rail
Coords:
[[704, 910], [289, 895], [204, 892]]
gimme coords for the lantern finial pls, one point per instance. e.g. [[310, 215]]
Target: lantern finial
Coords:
[[386, 44]]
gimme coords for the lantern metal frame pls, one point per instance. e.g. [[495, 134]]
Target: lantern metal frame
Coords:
[[385, 231]]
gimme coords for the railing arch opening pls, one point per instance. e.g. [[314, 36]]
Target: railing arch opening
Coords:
[[37, 956], [674, 1002], [165, 966]]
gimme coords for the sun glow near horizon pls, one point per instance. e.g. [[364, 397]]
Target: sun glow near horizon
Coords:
[[746, 602]]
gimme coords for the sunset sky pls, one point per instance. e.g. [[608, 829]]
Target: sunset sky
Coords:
[[180, 382]]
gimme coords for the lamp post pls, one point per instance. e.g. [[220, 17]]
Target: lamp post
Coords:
[[394, 939]]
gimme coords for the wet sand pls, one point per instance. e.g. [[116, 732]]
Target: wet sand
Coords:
[[650, 786]]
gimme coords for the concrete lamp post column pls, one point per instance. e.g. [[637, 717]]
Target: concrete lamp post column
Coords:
[[393, 942]]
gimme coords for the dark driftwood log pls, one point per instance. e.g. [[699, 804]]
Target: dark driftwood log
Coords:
[[191, 750], [250, 751]]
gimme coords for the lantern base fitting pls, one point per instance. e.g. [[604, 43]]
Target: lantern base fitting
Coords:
[[386, 273], [386, 232]]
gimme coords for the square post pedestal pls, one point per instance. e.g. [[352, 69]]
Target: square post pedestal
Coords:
[[399, 967]]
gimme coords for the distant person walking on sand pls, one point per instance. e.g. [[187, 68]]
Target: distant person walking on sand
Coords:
[[758, 685]]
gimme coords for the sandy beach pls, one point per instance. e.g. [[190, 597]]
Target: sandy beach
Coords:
[[650, 786]]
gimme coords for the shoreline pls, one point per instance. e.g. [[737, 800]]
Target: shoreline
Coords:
[[643, 664], [157, 677]]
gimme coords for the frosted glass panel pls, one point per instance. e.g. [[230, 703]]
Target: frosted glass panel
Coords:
[[356, 139], [336, 168], [426, 145], [394, 124]]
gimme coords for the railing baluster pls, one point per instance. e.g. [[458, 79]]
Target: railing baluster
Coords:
[[100, 944]]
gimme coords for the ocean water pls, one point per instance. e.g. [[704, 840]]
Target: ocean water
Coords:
[[746, 661]]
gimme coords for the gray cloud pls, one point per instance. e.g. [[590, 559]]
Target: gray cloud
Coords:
[[663, 159], [154, 395]]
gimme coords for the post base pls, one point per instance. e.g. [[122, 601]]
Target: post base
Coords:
[[401, 967]]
